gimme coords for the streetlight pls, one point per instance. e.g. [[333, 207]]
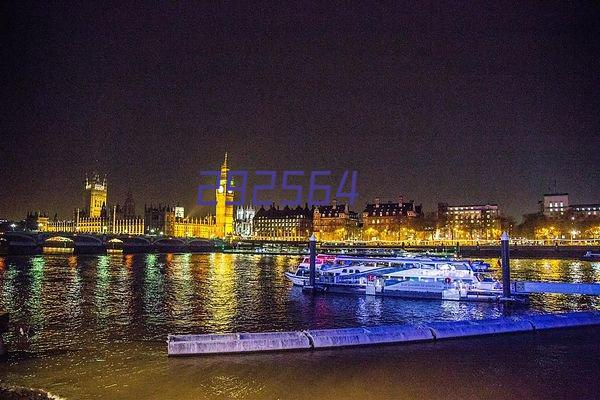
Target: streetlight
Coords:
[[13, 226]]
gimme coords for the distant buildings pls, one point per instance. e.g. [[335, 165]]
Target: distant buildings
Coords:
[[390, 220], [97, 218], [171, 220], [468, 221], [556, 205], [396, 221], [335, 222], [224, 211], [244, 221], [94, 217], [287, 224]]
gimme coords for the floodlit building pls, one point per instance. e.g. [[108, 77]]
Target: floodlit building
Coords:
[[286, 224], [244, 218], [335, 222], [469, 221], [390, 220]]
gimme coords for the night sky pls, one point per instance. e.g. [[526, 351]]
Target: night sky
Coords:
[[436, 101]]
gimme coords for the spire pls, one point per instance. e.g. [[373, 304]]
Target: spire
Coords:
[[225, 162]]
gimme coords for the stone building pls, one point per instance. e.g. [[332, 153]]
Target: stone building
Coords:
[[285, 224], [391, 221], [335, 222]]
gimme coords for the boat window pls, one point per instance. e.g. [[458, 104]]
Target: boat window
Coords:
[[414, 279], [344, 270]]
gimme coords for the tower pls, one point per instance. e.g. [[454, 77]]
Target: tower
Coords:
[[94, 195], [224, 214], [129, 206]]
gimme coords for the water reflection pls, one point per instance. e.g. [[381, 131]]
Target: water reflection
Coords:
[[92, 301]]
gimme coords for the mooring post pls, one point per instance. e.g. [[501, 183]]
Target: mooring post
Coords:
[[505, 265], [312, 249]]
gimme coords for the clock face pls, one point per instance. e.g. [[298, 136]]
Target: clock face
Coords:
[[221, 189]]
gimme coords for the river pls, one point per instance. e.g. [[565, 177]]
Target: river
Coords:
[[98, 325]]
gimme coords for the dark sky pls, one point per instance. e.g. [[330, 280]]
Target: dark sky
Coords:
[[489, 102]]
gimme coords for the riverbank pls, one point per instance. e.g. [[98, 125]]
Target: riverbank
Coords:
[[22, 393]]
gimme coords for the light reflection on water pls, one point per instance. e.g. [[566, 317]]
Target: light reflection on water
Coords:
[[107, 316]]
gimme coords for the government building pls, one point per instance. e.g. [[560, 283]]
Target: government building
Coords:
[[96, 217]]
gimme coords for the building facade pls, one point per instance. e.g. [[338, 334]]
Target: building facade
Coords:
[[169, 220], [555, 204], [244, 218], [468, 221], [393, 221], [335, 222], [285, 224]]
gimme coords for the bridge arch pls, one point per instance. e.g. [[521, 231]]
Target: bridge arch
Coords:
[[12, 237], [170, 242], [88, 239], [139, 241]]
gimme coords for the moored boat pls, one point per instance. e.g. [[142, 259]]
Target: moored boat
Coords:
[[412, 277]]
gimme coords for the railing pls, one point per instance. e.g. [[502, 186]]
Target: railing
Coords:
[[465, 242]]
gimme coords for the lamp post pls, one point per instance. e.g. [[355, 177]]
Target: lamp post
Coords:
[[13, 226], [312, 248], [505, 265]]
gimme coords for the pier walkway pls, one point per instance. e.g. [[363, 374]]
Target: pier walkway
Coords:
[[187, 345]]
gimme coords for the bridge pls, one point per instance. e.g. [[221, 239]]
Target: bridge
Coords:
[[83, 243]]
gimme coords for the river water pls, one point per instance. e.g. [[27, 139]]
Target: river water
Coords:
[[98, 326]]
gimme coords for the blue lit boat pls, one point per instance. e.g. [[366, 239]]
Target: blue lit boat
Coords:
[[412, 277]]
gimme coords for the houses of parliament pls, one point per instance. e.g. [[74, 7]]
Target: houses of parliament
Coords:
[[96, 217]]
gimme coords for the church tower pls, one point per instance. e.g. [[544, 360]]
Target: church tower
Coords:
[[224, 217], [94, 196]]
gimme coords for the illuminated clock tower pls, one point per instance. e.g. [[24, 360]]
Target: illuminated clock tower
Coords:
[[224, 212]]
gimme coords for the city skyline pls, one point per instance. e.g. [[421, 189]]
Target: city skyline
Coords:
[[402, 101], [193, 210]]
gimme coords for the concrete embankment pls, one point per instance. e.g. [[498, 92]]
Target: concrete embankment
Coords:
[[182, 345]]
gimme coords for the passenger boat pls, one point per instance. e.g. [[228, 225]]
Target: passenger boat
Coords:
[[331, 265], [412, 277]]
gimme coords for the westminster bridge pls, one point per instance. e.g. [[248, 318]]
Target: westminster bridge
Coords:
[[62, 242]]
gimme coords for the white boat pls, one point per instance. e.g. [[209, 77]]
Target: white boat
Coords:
[[414, 277], [332, 266]]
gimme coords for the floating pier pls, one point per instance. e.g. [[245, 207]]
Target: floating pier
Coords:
[[188, 345]]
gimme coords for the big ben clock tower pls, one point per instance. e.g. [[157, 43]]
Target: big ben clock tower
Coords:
[[224, 214]]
